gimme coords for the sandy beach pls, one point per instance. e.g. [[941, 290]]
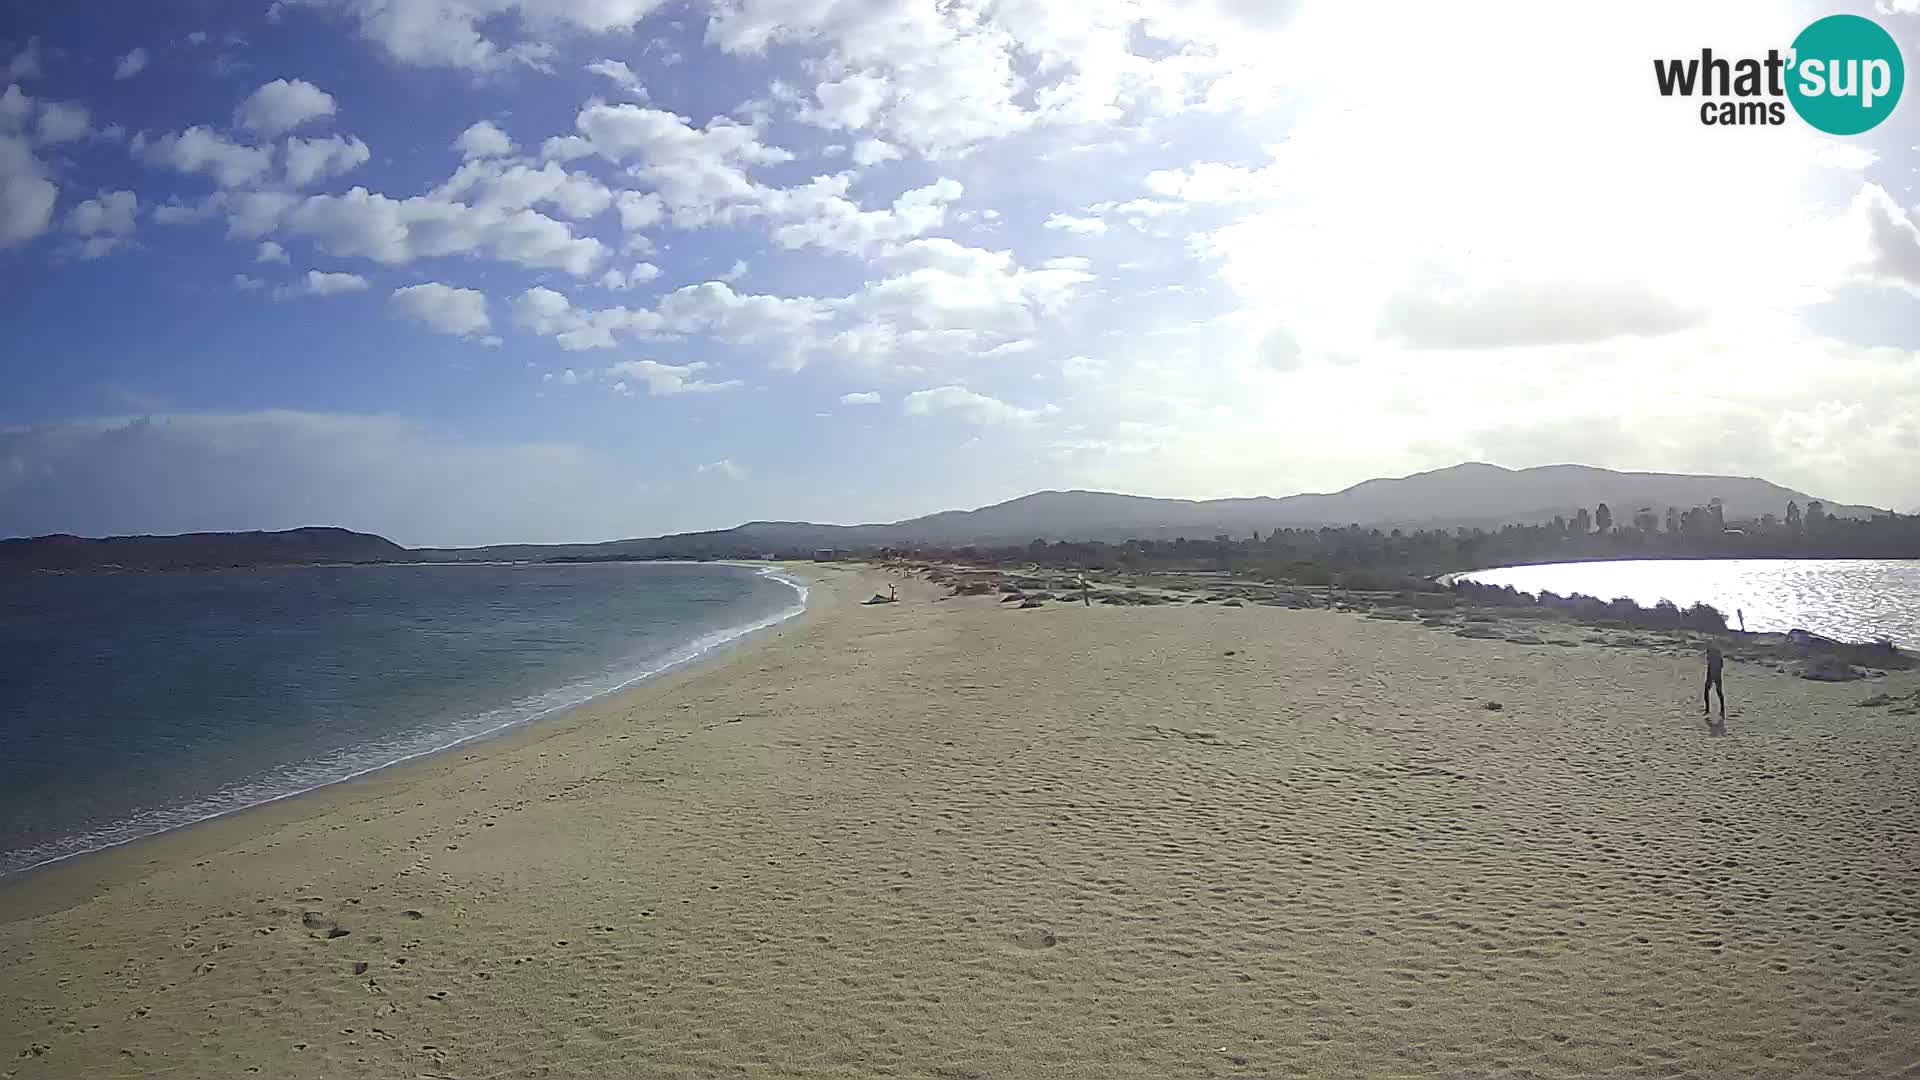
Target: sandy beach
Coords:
[[951, 838]]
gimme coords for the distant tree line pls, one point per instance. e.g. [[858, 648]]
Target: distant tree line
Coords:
[[1330, 555], [1354, 555]]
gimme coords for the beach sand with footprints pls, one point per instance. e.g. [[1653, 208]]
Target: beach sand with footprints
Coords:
[[951, 837]]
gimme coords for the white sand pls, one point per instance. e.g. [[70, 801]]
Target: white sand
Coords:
[[954, 839]]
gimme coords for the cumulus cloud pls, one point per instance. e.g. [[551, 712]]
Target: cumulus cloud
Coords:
[[132, 63], [483, 35], [361, 224], [483, 140], [282, 105], [935, 283], [27, 194], [698, 172], [24, 64], [443, 308], [321, 283], [967, 405], [866, 397], [1892, 239], [551, 314], [62, 121], [874, 151], [204, 150], [713, 308], [639, 275], [666, 380], [103, 222], [820, 215], [494, 185], [270, 252], [307, 160]]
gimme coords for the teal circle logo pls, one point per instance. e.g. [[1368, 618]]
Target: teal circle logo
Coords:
[[1847, 74]]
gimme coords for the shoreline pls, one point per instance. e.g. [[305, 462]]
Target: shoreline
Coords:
[[955, 837], [701, 650]]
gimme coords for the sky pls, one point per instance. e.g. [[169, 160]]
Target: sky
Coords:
[[475, 271]]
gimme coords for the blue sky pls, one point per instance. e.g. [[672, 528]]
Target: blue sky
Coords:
[[463, 271]]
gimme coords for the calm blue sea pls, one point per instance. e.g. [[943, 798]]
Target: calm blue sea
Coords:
[[135, 703]]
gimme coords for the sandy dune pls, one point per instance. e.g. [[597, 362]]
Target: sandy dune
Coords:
[[947, 838]]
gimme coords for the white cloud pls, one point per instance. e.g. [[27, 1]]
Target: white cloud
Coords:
[[203, 150], [283, 105], [483, 140], [724, 468], [874, 151], [362, 224], [62, 121], [474, 34], [443, 308], [494, 185], [131, 64], [940, 284], [1532, 312], [967, 405], [27, 195], [24, 64], [638, 211], [321, 283], [867, 397], [937, 79], [248, 283], [629, 279], [270, 252], [1086, 226], [666, 380], [741, 319], [1892, 239], [698, 172], [104, 222], [622, 76], [307, 160], [1211, 182], [252, 213], [551, 314], [16, 108], [818, 214]]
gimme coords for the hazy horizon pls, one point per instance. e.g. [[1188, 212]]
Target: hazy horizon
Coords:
[[462, 272]]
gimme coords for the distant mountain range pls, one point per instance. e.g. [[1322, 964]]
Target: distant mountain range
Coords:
[[1473, 494]]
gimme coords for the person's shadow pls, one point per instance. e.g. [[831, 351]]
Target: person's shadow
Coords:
[[1716, 725]]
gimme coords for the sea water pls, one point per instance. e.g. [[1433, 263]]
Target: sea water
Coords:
[[133, 703]]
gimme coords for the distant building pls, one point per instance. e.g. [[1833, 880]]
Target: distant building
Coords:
[[826, 554]]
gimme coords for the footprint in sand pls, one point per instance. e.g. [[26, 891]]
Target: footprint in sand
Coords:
[[322, 927], [1036, 939]]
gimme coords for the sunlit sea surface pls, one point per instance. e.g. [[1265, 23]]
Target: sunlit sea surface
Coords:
[[1849, 599], [134, 703]]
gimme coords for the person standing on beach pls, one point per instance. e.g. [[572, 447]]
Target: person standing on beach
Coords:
[[1086, 592], [1715, 664]]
